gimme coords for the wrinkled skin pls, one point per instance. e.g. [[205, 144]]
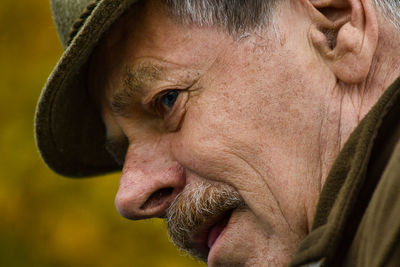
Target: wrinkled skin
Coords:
[[261, 114]]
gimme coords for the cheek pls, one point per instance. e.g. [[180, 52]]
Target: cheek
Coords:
[[216, 145], [215, 136]]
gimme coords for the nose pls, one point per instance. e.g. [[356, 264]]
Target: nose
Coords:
[[149, 183]]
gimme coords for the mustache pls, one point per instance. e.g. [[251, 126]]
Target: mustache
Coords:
[[194, 209]]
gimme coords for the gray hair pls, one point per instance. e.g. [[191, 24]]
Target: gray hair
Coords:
[[391, 9], [240, 16], [236, 16]]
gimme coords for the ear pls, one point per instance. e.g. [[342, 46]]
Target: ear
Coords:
[[345, 33]]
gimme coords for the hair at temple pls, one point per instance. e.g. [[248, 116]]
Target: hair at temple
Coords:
[[238, 16]]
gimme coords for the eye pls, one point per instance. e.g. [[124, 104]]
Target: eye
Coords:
[[168, 100], [170, 106], [165, 102]]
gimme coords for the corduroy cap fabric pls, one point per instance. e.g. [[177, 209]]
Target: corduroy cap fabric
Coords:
[[69, 130]]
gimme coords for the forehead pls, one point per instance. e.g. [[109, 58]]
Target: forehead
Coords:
[[148, 30]]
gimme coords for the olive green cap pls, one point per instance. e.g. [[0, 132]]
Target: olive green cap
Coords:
[[69, 130]]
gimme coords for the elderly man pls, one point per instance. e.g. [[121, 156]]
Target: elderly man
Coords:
[[265, 132]]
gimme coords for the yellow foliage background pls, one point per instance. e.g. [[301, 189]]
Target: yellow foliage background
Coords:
[[47, 220]]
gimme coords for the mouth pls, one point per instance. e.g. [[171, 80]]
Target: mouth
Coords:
[[216, 230], [199, 217], [208, 234]]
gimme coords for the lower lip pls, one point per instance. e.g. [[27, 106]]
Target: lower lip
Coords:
[[216, 231]]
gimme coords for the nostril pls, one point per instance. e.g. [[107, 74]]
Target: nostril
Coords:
[[157, 198]]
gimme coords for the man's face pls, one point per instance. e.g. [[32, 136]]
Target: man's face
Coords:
[[209, 115]]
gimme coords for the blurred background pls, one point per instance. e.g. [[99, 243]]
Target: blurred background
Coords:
[[47, 220]]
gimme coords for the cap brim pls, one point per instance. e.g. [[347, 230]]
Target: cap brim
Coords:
[[69, 130]]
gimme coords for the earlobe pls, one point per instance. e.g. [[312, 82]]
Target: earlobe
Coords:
[[345, 33]]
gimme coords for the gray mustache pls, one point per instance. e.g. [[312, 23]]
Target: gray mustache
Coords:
[[194, 208]]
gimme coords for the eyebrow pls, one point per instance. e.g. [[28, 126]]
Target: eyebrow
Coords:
[[136, 80]]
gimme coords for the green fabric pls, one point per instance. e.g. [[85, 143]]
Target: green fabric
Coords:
[[65, 14], [69, 130], [377, 241], [357, 222]]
